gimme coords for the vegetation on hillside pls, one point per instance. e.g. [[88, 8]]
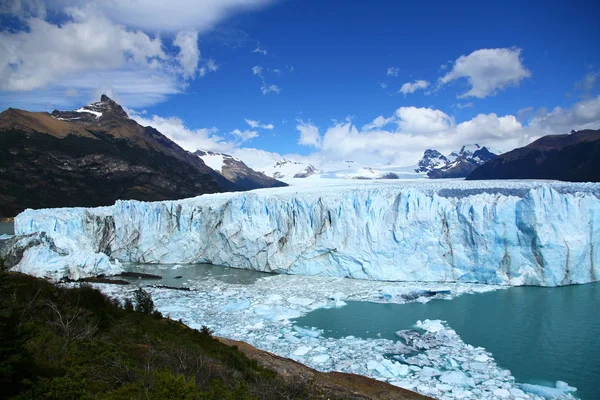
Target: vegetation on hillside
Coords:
[[76, 343]]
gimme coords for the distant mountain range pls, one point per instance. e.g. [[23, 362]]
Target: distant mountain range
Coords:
[[457, 164], [572, 157], [236, 171], [93, 156]]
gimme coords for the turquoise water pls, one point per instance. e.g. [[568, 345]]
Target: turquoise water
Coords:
[[540, 334]]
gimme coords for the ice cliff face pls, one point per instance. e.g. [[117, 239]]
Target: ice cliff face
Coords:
[[547, 235]]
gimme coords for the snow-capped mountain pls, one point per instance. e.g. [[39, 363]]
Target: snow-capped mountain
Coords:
[[290, 169], [237, 171], [431, 159], [457, 164]]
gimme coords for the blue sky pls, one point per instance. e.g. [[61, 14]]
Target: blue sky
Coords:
[[312, 76]]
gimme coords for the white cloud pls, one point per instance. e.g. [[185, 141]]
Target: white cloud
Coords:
[[209, 66], [257, 70], [189, 54], [260, 50], [244, 136], [190, 139], [383, 85], [488, 71], [101, 41], [464, 105], [49, 53], [309, 134], [265, 88], [409, 87], [270, 89], [393, 71], [168, 16], [256, 124]]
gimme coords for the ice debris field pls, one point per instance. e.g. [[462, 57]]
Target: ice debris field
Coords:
[[430, 359], [492, 232]]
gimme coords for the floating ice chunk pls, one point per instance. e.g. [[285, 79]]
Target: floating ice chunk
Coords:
[[177, 266], [481, 358], [501, 393], [237, 305], [518, 393], [457, 378], [560, 389], [291, 338], [430, 325], [430, 372], [300, 301], [302, 350], [276, 313], [320, 358], [307, 332]]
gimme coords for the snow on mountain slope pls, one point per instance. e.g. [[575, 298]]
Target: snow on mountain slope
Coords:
[[237, 171], [289, 169], [457, 164], [213, 160], [508, 233]]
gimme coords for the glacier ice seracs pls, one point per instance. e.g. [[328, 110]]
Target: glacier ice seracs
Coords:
[[507, 233]]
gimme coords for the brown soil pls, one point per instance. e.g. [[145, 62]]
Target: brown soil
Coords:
[[333, 384]]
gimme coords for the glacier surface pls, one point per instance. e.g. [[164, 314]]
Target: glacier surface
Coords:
[[494, 232]]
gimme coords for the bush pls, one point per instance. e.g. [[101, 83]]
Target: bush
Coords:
[[143, 301]]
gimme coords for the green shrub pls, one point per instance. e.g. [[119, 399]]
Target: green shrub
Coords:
[[143, 301]]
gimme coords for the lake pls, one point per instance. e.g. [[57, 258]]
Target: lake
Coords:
[[540, 334], [7, 228]]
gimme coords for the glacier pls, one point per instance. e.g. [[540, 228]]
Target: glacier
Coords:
[[492, 232]]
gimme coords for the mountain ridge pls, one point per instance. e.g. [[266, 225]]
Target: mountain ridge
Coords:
[[571, 157], [93, 156]]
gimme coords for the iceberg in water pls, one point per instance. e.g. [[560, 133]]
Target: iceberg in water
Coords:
[[507, 233]]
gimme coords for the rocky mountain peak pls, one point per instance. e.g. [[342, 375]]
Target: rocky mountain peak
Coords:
[[94, 112]]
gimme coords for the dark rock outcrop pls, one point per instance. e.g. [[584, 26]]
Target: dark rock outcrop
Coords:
[[573, 157], [91, 157]]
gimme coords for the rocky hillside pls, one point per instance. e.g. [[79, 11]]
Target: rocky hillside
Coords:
[[93, 156], [236, 171], [76, 343], [572, 157]]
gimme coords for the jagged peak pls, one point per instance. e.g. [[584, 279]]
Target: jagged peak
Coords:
[[93, 111]]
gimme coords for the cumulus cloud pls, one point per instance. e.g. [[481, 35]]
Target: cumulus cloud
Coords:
[[101, 41], [488, 71], [190, 139], [244, 136], [409, 87], [48, 53], [309, 134], [189, 54]]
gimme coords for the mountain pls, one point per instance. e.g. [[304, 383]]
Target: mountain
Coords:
[[431, 159], [236, 171], [572, 157], [93, 156], [290, 169], [456, 164]]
